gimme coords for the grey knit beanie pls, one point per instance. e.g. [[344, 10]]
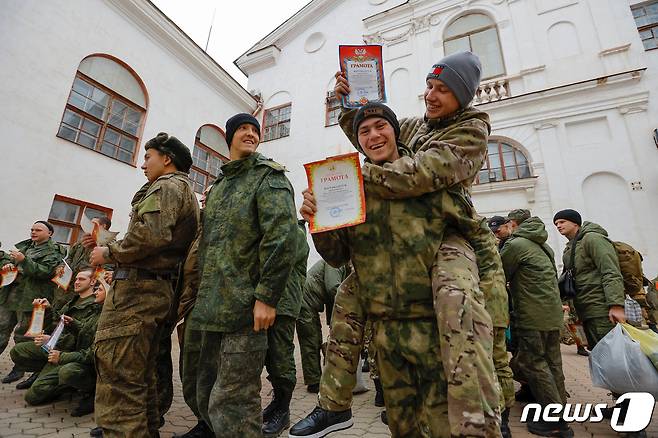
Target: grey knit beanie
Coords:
[[461, 72]]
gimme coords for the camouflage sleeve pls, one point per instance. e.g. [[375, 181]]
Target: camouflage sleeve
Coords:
[[42, 269], [157, 213], [190, 285], [455, 159], [605, 259], [333, 278], [85, 354], [278, 224], [332, 247]]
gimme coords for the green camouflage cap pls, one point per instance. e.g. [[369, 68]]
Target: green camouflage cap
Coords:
[[518, 215]]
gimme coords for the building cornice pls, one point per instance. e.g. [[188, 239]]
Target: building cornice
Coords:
[[150, 20], [289, 29]]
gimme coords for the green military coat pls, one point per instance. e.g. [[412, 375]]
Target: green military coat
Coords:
[[599, 282], [34, 275], [81, 310], [291, 301], [529, 265], [247, 245]]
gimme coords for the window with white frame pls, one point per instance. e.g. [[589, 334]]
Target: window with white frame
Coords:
[[277, 122], [504, 162]]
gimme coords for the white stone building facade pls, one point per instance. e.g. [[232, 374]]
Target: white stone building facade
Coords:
[[569, 84], [84, 84]]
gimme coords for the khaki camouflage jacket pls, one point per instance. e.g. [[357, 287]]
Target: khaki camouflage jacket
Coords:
[[34, 275], [83, 352], [163, 223], [247, 245], [447, 155], [392, 253]]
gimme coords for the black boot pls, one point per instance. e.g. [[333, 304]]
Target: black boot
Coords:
[[85, 406], [542, 428], [96, 432], [201, 430], [320, 422], [314, 388], [504, 424], [379, 394], [384, 417], [279, 417], [271, 407], [582, 351], [366, 365], [13, 376], [25, 384]]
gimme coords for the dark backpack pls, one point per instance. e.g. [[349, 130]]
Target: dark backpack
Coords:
[[630, 262]]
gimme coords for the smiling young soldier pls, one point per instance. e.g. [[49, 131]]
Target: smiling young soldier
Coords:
[[245, 257], [164, 220], [415, 230]]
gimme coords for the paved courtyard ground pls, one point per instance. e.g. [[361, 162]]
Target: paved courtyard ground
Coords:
[[54, 420]]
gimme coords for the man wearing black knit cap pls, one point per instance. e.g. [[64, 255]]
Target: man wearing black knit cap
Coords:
[[136, 314], [247, 249], [36, 260], [599, 300]]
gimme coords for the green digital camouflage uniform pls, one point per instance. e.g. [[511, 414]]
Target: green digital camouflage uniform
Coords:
[[280, 358], [246, 253], [529, 265], [598, 280], [163, 222], [392, 254], [76, 367], [33, 281], [448, 154], [320, 288]]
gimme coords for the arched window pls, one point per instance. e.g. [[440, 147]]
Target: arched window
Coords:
[[105, 109], [476, 33], [210, 152], [504, 162]]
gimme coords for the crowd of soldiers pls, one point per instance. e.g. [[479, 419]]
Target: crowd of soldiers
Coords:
[[435, 293]]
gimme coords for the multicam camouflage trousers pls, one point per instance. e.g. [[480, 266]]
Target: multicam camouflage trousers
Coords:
[[464, 332], [8, 321], [221, 379]]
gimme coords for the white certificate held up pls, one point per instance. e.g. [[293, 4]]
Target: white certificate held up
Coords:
[[363, 69], [54, 337], [337, 184]]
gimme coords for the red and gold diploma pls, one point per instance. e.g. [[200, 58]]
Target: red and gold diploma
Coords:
[[337, 184]]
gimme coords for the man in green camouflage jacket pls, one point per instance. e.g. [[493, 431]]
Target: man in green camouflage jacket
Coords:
[[70, 363], [36, 260], [164, 220], [246, 253]]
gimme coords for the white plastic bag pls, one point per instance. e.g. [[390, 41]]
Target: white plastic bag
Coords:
[[617, 363]]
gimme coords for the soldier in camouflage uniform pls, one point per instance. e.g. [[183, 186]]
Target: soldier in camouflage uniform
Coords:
[[70, 363], [320, 288], [652, 304], [36, 260], [424, 215], [78, 256], [245, 257], [280, 358], [163, 223]]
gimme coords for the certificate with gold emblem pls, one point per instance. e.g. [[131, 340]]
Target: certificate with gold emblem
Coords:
[[364, 71], [337, 184]]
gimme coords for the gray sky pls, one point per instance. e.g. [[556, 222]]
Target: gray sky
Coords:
[[238, 24]]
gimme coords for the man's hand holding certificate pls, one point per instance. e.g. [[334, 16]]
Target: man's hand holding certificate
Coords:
[[362, 66], [337, 187]]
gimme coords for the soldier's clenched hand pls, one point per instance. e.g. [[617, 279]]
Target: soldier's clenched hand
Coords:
[[17, 256], [309, 207], [98, 256], [264, 316], [616, 314], [342, 88], [53, 357]]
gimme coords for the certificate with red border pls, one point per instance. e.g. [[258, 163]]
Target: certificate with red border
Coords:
[[337, 184], [364, 70]]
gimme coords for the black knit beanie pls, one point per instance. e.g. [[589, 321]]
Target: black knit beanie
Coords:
[[374, 109], [570, 215], [234, 123], [174, 148]]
